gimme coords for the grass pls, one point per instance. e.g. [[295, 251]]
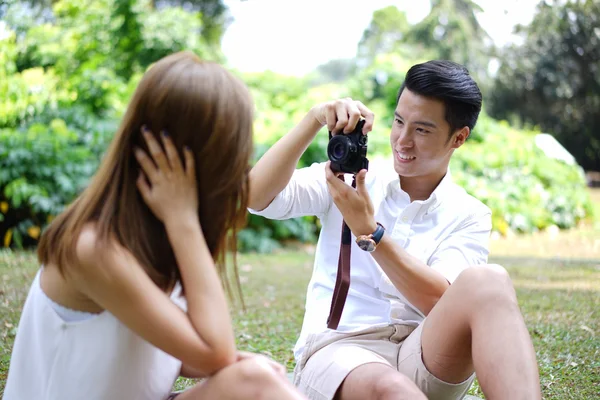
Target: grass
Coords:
[[560, 302]]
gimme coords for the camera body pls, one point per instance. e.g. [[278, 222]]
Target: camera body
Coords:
[[348, 152]]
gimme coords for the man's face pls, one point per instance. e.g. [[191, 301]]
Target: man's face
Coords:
[[420, 138]]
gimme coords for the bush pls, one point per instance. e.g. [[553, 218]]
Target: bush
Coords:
[[263, 235], [41, 170], [25, 94], [526, 190]]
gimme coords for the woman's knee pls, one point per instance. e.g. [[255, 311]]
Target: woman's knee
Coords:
[[249, 379], [256, 378]]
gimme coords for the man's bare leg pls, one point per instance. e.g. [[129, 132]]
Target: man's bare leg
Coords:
[[483, 330], [378, 382]]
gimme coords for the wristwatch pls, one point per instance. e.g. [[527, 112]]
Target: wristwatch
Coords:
[[369, 242]]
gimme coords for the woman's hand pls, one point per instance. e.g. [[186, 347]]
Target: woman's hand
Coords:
[[166, 186]]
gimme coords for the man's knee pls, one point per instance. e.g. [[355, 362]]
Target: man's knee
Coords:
[[487, 283], [396, 386]]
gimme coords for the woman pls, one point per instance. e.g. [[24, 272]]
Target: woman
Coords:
[[105, 317]]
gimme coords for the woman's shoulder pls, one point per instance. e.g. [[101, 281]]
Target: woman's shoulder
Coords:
[[87, 243], [94, 249]]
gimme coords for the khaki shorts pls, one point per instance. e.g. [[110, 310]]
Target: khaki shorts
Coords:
[[330, 356]]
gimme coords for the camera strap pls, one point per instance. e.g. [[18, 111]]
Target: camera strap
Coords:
[[342, 281]]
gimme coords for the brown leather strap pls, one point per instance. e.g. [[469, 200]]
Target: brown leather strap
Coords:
[[342, 281]]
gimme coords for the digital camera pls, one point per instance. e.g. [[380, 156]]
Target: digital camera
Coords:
[[348, 152]]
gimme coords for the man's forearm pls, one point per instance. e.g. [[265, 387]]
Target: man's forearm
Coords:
[[274, 170], [421, 285]]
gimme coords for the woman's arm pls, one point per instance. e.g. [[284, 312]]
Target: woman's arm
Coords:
[[110, 276]]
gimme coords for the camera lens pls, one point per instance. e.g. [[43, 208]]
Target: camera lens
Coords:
[[340, 149]]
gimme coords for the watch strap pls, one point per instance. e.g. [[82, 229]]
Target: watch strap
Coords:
[[378, 234]]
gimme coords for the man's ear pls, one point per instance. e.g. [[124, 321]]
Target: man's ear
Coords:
[[460, 136]]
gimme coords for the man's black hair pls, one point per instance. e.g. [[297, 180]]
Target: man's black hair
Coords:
[[451, 83]]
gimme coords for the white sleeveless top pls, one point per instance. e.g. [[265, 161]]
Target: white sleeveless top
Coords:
[[96, 358]]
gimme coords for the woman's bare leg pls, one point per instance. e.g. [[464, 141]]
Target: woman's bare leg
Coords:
[[252, 378]]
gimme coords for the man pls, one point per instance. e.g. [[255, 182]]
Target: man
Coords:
[[424, 311]]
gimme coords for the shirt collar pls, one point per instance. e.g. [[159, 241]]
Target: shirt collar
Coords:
[[440, 193]]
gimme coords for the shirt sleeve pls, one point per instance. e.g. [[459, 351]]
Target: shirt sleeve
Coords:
[[468, 245], [305, 194]]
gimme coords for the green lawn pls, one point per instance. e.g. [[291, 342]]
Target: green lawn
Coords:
[[561, 303]]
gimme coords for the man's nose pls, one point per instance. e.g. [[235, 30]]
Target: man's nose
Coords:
[[405, 139]]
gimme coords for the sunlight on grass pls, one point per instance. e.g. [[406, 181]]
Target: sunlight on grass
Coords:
[[577, 244]]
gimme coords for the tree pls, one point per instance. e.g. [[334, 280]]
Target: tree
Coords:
[[452, 31], [337, 70], [215, 16], [385, 33], [553, 79]]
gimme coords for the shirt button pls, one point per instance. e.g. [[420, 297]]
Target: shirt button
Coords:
[[404, 219]]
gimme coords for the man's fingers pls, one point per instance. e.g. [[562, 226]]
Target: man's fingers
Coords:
[[368, 115], [360, 183], [337, 187], [329, 174], [330, 117], [341, 116], [341, 113], [354, 117]]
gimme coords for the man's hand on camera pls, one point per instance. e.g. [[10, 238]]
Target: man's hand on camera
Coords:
[[342, 115], [354, 204]]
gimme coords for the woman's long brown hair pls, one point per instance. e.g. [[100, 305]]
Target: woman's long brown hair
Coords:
[[201, 105]]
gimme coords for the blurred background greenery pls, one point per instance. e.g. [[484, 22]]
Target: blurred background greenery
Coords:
[[69, 67]]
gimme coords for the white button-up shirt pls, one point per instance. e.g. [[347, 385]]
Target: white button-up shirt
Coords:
[[449, 232]]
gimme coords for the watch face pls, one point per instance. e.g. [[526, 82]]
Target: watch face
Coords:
[[366, 244]]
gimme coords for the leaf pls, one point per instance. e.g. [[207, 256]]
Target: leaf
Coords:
[[7, 238]]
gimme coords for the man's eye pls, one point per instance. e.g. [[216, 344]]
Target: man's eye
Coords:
[[421, 130], [398, 121]]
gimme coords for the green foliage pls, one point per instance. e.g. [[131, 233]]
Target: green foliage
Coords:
[[215, 17], [264, 236], [40, 47], [26, 93], [553, 79], [450, 31], [65, 80], [526, 190], [385, 33], [64, 83], [41, 170], [338, 70], [170, 28]]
